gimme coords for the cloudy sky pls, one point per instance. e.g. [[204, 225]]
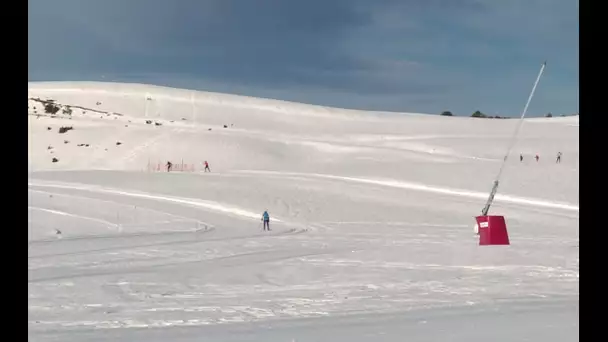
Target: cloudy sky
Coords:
[[398, 55]]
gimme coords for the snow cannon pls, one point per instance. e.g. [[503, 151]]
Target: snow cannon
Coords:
[[492, 230]]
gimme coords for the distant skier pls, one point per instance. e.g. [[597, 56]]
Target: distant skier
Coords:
[[521, 157], [536, 157], [169, 166], [559, 157], [266, 220], [207, 167]]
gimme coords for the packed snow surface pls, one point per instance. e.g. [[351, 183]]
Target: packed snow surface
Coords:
[[372, 220]]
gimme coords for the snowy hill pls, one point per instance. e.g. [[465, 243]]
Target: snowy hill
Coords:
[[372, 213]]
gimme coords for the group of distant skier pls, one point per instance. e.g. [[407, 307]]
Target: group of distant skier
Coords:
[[266, 217], [558, 159]]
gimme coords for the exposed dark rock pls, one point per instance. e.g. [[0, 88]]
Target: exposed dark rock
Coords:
[[63, 129]]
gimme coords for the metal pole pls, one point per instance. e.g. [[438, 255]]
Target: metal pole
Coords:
[[485, 210]]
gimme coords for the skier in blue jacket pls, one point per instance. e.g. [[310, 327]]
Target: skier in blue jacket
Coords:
[[266, 220]]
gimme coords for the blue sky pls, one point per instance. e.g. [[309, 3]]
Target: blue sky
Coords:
[[397, 55]]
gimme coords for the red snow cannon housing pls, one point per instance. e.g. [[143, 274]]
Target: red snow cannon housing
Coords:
[[492, 230]]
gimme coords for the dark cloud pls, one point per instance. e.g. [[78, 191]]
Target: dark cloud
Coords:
[[378, 51], [245, 37]]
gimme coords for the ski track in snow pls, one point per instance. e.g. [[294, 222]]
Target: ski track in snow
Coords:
[[198, 203], [63, 213], [427, 188]]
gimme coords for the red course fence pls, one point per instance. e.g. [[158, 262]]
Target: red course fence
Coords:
[[176, 167]]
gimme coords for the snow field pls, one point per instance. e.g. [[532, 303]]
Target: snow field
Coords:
[[371, 215]]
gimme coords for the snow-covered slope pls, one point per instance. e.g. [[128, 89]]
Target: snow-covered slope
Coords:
[[372, 212]]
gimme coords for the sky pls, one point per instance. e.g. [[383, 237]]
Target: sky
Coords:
[[424, 56]]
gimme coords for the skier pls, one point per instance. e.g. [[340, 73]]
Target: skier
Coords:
[[521, 157], [536, 157], [559, 157], [169, 165], [207, 167], [266, 220]]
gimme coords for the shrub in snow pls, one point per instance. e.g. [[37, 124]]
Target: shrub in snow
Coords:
[[478, 114], [67, 110], [65, 129], [51, 108]]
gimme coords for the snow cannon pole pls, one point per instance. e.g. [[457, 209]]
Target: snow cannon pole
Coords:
[[485, 210]]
